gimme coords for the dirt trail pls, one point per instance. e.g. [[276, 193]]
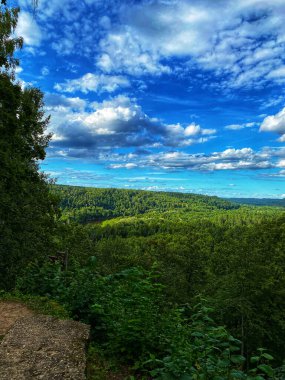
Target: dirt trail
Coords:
[[10, 312], [40, 347]]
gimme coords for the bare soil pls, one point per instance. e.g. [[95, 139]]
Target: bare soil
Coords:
[[10, 312], [40, 347]]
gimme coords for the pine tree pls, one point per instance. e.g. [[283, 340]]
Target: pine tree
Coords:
[[27, 211]]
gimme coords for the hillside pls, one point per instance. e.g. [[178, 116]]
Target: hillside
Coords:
[[92, 204]]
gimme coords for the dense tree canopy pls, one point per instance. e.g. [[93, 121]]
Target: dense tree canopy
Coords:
[[231, 255]]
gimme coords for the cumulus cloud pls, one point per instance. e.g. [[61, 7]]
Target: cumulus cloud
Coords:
[[275, 123], [281, 164], [57, 102], [92, 82], [102, 130], [116, 123]]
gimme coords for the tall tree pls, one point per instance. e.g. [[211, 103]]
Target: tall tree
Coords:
[[27, 211], [8, 44]]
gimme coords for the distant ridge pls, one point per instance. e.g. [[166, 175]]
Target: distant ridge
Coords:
[[85, 204], [258, 201]]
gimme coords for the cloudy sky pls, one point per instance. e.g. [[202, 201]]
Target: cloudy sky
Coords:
[[161, 94]]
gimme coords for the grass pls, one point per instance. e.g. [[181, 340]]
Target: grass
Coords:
[[40, 305]]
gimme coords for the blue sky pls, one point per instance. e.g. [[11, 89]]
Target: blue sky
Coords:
[[162, 95]]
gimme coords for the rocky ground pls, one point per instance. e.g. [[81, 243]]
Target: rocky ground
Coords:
[[40, 347]]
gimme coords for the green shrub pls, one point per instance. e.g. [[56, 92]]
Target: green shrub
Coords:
[[132, 321]]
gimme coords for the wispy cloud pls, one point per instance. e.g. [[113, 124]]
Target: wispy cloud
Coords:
[[241, 42], [92, 82], [242, 46], [28, 28], [241, 126]]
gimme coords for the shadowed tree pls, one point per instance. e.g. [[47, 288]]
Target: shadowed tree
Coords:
[[27, 212]]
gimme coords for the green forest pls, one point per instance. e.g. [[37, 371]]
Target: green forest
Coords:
[[174, 286]]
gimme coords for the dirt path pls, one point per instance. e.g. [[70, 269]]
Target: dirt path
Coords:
[[10, 312], [40, 347]]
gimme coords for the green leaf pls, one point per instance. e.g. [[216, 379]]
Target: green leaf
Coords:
[[254, 359], [266, 369], [267, 356], [224, 363], [237, 359], [237, 374], [234, 348], [261, 350]]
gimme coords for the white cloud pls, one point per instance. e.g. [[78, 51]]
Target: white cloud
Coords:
[[271, 102], [46, 9], [28, 28], [281, 164], [99, 130], [230, 159], [70, 28], [113, 124], [120, 166], [192, 130], [122, 52], [279, 174], [275, 123], [54, 102], [241, 126], [45, 70], [278, 73], [243, 40], [92, 82]]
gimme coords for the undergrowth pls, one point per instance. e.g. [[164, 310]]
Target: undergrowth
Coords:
[[134, 325]]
